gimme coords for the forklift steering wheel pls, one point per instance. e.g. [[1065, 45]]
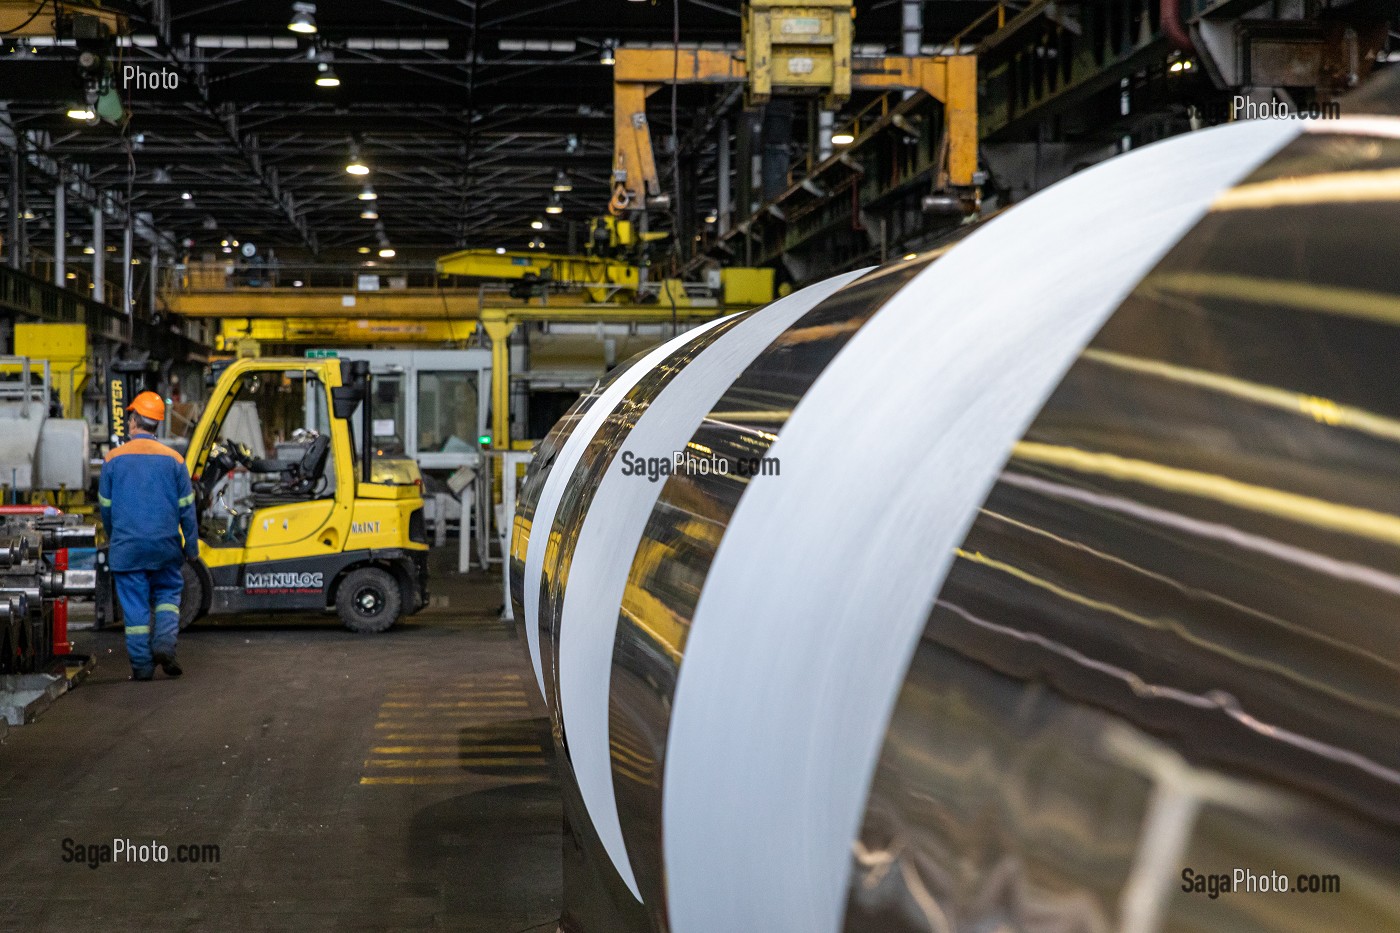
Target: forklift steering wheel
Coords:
[[238, 453]]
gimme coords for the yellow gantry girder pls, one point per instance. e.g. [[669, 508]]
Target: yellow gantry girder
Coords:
[[411, 303], [564, 269], [639, 73], [31, 18], [602, 279], [251, 317], [336, 307], [333, 332]]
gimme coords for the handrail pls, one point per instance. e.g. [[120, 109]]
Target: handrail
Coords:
[[1000, 11]]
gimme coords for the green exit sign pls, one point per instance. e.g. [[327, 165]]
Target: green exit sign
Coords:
[[323, 354]]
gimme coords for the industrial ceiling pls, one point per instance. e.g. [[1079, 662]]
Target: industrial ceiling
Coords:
[[465, 112]]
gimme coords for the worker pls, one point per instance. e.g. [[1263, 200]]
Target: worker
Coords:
[[148, 510]]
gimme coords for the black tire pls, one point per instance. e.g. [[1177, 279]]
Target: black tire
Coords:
[[192, 598], [369, 601]]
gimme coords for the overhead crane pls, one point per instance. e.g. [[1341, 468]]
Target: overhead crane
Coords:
[[791, 47], [538, 287]]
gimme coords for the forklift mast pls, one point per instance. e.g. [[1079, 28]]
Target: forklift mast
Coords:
[[126, 379]]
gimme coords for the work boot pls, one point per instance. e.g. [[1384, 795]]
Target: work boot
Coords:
[[142, 675], [168, 664]]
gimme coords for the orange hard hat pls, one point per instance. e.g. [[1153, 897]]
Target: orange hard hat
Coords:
[[148, 405]]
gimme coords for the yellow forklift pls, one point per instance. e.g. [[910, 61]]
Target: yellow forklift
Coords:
[[296, 511]]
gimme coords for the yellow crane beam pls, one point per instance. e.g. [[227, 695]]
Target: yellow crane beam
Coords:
[[20, 18], [421, 304], [332, 332], [565, 269], [325, 302], [639, 73]]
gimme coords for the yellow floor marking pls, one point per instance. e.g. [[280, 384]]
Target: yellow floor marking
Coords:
[[628, 754], [453, 704], [635, 777], [400, 780], [450, 762], [483, 728], [464, 694], [451, 713], [463, 736], [450, 749]]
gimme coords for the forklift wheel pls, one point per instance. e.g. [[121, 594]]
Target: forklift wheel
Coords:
[[192, 597], [368, 600]]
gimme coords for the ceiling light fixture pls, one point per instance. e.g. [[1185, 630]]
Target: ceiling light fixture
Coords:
[[500, 251], [186, 196], [609, 56], [555, 206], [563, 184], [387, 253], [356, 165], [326, 76], [842, 138], [363, 249], [367, 194], [303, 19], [81, 112], [537, 225], [369, 213]]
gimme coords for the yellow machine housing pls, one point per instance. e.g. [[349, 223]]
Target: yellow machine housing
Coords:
[[320, 524]]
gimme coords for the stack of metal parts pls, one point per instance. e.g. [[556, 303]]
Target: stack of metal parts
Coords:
[[35, 583]]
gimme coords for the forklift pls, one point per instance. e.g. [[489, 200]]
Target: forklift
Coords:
[[296, 512]]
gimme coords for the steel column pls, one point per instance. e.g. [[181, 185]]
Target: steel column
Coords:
[[12, 249], [60, 232], [99, 254], [127, 283], [723, 169]]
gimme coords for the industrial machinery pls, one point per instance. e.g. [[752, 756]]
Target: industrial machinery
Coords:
[[937, 598], [36, 581], [296, 512], [40, 450], [792, 47]]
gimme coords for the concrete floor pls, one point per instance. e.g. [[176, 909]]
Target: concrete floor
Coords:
[[391, 782]]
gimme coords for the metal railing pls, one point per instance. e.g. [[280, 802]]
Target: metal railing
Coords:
[[232, 276]]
